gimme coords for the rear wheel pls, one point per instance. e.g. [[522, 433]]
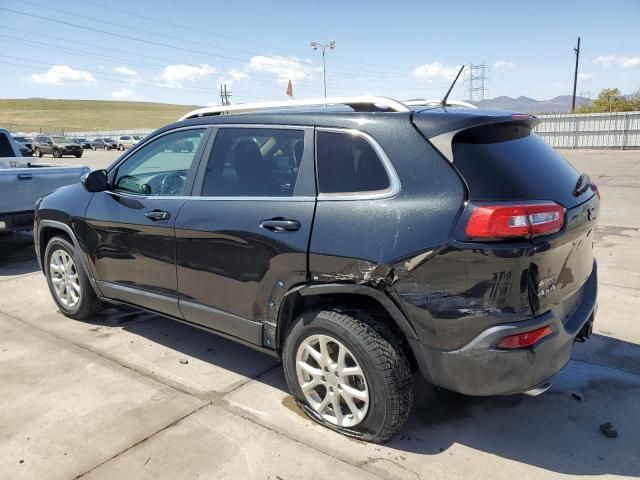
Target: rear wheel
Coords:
[[106, 147], [68, 282], [349, 373], [78, 155], [57, 153], [93, 147]]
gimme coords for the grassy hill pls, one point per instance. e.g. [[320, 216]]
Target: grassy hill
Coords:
[[54, 115]]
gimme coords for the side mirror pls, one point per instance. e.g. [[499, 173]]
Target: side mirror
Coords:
[[95, 181]]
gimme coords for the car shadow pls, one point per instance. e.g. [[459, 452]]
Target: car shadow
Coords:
[[17, 256]]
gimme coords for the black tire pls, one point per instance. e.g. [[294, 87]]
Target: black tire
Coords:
[[78, 155], [88, 304], [381, 358], [93, 147], [37, 153], [56, 153], [106, 148]]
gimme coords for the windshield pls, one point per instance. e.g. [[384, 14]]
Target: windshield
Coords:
[[61, 140], [21, 139], [109, 140]]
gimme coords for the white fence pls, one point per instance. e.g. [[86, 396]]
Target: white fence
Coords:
[[618, 130], [110, 133]]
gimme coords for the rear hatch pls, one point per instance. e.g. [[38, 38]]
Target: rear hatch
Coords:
[[505, 165]]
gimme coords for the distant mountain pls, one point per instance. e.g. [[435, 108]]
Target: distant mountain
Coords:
[[524, 104]]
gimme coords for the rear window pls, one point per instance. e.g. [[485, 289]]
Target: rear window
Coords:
[[509, 162], [348, 164]]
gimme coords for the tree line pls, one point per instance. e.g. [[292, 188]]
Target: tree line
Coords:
[[611, 100]]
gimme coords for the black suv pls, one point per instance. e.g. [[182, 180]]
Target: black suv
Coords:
[[359, 246], [56, 146]]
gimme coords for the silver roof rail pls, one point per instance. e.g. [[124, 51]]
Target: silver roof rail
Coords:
[[434, 103], [373, 103]]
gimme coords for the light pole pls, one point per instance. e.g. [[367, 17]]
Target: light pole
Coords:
[[315, 46]]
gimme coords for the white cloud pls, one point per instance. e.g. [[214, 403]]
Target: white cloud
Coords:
[[64, 75], [238, 75], [585, 77], [620, 60], [285, 68], [130, 73], [126, 71], [174, 75], [435, 71], [503, 65], [122, 93]]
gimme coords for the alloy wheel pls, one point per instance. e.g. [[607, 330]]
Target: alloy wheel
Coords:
[[332, 380], [64, 278]]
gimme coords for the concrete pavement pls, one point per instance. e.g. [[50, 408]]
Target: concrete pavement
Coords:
[[130, 395]]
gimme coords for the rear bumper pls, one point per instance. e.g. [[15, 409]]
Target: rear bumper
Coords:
[[12, 222], [479, 368]]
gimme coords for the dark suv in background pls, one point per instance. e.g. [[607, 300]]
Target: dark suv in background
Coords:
[[55, 145], [358, 244]]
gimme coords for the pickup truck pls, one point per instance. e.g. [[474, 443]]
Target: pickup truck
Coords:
[[22, 183]]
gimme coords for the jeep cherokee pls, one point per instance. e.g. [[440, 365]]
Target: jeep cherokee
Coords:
[[358, 244]]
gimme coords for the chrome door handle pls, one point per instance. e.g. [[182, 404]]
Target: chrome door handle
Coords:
[[157, 215]]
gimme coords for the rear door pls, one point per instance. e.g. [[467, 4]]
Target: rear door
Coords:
[[506, 162], [130, 227], [242, 238]]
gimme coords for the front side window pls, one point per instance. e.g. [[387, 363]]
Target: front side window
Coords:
[[161, 166], [254, 162], [347, 163]]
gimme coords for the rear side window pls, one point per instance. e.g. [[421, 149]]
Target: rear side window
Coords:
[[254, 162], [505, 162], [348, 163]]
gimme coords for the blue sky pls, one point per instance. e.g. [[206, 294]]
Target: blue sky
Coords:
[[179, 52]]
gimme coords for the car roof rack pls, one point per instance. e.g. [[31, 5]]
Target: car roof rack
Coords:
[[364, 103], [421, 102]]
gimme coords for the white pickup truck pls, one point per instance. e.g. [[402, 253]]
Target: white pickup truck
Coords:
[[22, 183]]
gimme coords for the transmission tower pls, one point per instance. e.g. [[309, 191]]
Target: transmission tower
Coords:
[[225, 95], [478, 82]]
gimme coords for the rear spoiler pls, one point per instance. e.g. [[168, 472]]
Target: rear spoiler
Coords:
[[441, 133]]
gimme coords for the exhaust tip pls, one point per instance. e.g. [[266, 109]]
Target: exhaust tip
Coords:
[[539, 390]]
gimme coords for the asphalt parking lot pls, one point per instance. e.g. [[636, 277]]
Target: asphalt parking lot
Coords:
[[131, 395]]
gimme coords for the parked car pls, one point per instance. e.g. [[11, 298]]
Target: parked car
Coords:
[[125, 141], [103, 143], [57, 146], [22, 184], [85, 143], [358, 247], [137, 138], [25, 141]]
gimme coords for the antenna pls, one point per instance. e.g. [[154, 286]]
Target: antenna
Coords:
[[444, 100]]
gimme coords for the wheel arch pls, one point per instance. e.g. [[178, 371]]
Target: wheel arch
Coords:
[[344, 297], [47, 229]]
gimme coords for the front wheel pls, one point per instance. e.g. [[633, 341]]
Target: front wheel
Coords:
[[106, 148], [57, 153], [78, 155], [349, 373], [93, 147], [37, 153], [68, 282]]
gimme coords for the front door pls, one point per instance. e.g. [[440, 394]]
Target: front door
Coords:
[[130, 228], [242, 238]]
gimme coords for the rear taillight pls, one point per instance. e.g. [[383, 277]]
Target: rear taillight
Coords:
[[524, 340], [594, 187], [513, 221]]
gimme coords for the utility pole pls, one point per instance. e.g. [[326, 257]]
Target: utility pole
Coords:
[[477, 81], [225, 95], [575, 77]]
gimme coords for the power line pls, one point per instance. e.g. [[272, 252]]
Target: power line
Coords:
[[119, 60], [348, 71]]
